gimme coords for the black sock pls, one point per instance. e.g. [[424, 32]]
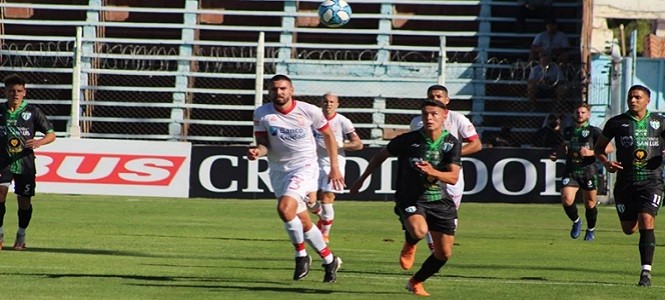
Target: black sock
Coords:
[[431, 266], [24, 216], [571, 212], [647, 246], [591, 217], [3, 209], [409, 239]]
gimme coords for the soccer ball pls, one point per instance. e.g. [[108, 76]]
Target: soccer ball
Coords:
[[334, 13]]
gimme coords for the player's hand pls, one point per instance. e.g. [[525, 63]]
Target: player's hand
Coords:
[[252, 153], [425, 167], [586, 151], [613, 166], [336, 179], [32, 143]]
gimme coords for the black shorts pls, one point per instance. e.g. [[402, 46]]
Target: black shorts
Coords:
[[631, 199], [24, 184], [441, 215], [587, 181]]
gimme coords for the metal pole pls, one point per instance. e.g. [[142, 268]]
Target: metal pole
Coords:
[[75, 111], [260, 62]]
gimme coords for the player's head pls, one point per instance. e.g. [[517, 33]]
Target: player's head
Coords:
[[14, 87], [582, 113], [330, 103], [434, 113], [639, 97], [550, 25], [438, 92], [280, 90]]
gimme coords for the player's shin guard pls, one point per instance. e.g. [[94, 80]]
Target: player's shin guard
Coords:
[[591, 217], [24, 216], [571, 212], [430, 267], [647, 246]]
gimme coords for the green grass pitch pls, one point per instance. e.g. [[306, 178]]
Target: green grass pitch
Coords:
[[104, 247]]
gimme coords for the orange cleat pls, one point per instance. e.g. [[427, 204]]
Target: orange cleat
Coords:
[[416, 288], [326, 239], [407, 256]]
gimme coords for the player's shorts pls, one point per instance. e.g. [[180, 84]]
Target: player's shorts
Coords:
[[633, 198], [24, 184], [587, 181], [441, 215], [296, 184], [324, 181]]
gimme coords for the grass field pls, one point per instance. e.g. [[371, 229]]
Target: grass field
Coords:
[[100, 247]]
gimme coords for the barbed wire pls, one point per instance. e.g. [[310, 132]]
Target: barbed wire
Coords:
[[23, 55]]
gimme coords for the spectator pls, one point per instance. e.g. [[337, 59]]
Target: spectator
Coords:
[[552, 42], [541, 9], [504, 138], [550, 135], [546, 80]]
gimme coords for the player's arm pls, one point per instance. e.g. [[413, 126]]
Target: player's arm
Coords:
[[472, 146], [335, 175], [601, 155], [374, 164], [353, 144], [48, 138], [261, 148], [449, 177]]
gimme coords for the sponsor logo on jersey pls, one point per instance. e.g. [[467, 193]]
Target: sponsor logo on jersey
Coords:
[[565, 181], [26, 115], [447, 147], [288, 134], [585, 133], [640, 154], [621, 208], [410, 209]]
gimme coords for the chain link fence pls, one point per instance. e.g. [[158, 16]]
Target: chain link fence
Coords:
[[130, 91]]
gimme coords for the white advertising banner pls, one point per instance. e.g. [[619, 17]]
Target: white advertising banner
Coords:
[[114, 167]]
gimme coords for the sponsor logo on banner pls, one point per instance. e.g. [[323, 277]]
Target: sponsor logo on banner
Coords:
[[492, 175], [107, 168]]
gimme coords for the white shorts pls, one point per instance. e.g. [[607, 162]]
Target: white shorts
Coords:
[[296, 184], [324, 181]]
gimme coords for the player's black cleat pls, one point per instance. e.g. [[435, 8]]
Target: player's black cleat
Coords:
[[331, 270], [302, 267], [645, 278]]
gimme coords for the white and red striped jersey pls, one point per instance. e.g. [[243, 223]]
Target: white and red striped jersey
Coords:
[[289, 133]]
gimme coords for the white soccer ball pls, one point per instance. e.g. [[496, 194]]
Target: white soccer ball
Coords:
[[334, 13]]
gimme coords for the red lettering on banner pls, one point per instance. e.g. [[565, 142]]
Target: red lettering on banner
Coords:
[[107, 168]]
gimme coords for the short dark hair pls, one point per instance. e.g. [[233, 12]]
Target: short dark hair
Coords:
[[640, 87], [280, 77], [430, 102], [14, 79], [437, 87]]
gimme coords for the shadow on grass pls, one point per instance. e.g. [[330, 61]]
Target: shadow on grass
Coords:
[[538, 268], [299, 290], [209, 238], [89, 251]]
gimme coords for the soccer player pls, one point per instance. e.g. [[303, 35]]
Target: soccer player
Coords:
[[581, 172], [283, 131], [638, 189], [461, 128], [19, 122], [347, 140], [428, 160]]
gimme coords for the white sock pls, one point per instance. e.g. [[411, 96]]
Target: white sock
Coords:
[[646, 268], [294, 230], [315, 239]]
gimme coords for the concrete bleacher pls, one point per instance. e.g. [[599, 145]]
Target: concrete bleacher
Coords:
[[185, 69], [505, 101]]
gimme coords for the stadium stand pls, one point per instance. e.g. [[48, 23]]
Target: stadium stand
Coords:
[[186, 69]]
